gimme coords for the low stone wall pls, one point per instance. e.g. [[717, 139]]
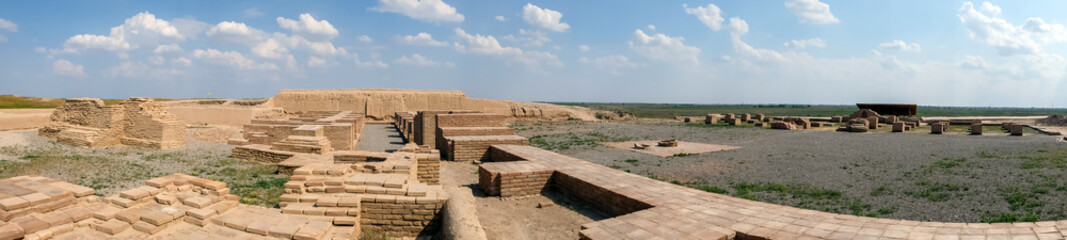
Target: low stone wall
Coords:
[[443, 132], [260, 153], [511, 179], [429, 167], [408, 216], [475, 148]]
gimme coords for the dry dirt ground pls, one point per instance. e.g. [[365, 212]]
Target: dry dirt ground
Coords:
[[918, 176], [560, 217]]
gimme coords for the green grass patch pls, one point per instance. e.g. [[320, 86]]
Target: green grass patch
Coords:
[[569, 140]]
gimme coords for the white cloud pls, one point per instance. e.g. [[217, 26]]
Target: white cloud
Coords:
[[8, 25], [711, 15], [316, 62], [544, 18], [435, 11], [168, 48], [421, 39], [584, 48], [614, 64], [66, 68], [309, 28], [979, 63], [189, 27], [365, 38], [156, 60], [1026, 41], [143, 29], [738, 28], [419, 60], [662, 47], [270, 49], [529, 38], [489, 46], [805, 43], [253, 13], [811, 11], [651, 27], [501, 18], [900, 45], [231, 59], [181, 61], [235, 32], [318, 48], [369, 64]]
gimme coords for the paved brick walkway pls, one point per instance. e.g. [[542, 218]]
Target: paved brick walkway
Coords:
[[380, 138], [651, 209]]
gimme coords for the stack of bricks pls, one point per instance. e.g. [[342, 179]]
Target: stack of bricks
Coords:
[[274, 141], [900, 127], [508, 179], [711, 119], [137, 121], [260, 153], [475, 148], [976, 127], [171, 207], [467, 136], [938, 127], [426, 126], [384, 196], [1017, 129]]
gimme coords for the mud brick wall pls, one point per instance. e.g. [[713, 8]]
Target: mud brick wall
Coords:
[[358, 156], [606, 200], [471, 120], [429, 167], [426, 126], [148, 124], [473, 148], [274, 133], [443, 132], [403, 216], [259, 153], [507, 180], [342, 136]]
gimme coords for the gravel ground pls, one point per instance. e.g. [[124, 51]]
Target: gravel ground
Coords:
[[380, 138], [951, 178]]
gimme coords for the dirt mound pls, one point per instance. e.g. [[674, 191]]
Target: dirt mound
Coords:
[[1054, 120]]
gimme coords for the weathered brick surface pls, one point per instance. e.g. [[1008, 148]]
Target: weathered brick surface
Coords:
[[651, 209], [476, 148], [137, 121]]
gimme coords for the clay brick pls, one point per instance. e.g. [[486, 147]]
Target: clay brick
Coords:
[[36, 198], [197, 202], [106, 213], [13, 203], [112, 226], [156, 217]]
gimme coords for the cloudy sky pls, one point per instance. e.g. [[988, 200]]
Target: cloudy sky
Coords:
[[962, 53]]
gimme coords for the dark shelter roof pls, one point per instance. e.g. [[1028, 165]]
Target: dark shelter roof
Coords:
[[890, 109]]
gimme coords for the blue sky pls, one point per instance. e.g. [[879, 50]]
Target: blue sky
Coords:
[[961, 53]]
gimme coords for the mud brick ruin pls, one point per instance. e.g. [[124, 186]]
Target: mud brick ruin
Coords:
[[274, 141], [137, 121], [177, 206]]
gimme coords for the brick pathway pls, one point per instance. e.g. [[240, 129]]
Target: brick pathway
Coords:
[[651, 209]]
